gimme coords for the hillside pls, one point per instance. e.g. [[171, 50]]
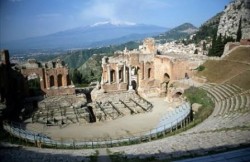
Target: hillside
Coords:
[[79, 57], [234, 12], [233, 69], [91, 70], [209, 28], [176, 33]]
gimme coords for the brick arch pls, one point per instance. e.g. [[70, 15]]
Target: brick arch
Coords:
[[112, 76], [149, 73], [68, 80], [51, 81], [59, 80], [166, 77]]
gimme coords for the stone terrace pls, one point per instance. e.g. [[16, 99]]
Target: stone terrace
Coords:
[[225, 128]]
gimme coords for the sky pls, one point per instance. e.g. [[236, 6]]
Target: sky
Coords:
[[21, 19]]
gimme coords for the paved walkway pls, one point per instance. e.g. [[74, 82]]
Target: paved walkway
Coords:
[[242, 155], [103, 156]]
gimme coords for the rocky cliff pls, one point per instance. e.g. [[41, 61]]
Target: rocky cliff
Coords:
[[229, 21]]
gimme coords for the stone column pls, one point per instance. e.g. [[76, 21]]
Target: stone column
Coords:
[[130, 79], [142, 71], [117, 74], [108, 70], [124, 73]]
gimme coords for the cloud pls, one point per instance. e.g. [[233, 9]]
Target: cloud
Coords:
[[99, 9], [120, 10], [15, 1]]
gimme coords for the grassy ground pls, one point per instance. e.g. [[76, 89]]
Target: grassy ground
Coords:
[[242, 54], [219, 71], [242, 80], [232, 69], [196, 95]]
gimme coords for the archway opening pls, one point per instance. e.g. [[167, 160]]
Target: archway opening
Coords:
[[166, 77], [120, 75], [59, 80], [149, 73], [34, 87], [177, 95], [134, 84], [68, 80], [164, 84], [51, 81], [112, 76]]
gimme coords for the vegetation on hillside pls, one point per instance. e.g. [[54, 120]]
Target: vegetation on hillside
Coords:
[[218, 44], [196, 95], [180, 32], [76, 58], [208, 29]]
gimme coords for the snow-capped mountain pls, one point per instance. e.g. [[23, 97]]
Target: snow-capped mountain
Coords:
[[115, 23], [98, 34]]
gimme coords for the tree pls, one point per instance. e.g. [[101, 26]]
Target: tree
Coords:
[[239, 32], [219, 46], [211, 51], [77, 77]]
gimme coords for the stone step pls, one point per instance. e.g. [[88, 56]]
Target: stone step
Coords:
[[229, 89], [237, 103], [224, 92], [216, 94], [243, 101], [232, 104]]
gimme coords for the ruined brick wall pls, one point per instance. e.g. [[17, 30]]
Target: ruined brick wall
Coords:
[[163, 65], [153, 72], [245, 41], [54, 77]]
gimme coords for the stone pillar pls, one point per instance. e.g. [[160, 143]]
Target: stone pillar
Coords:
[[108, 70], [142, 71], [130, 79], [124, 73], [117, 74]]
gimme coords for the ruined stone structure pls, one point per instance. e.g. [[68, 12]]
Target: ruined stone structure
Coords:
[[144, 71], [54, 76], [233, 45]]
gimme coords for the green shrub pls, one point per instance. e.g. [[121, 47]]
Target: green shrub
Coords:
[[200, 68]]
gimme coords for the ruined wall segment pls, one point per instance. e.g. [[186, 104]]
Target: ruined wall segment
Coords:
[[144, 71], [53, 75]]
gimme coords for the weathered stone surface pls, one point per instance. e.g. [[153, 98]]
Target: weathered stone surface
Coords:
[[196, 106], [229, 21], [146, 71]]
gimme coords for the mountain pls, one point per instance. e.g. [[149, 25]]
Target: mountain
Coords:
[[176, 33], [234, 12], [103, 33], [208, 29]]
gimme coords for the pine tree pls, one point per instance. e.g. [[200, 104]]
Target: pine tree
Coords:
[[211, 50], [219, 46], [239, 32], [77, 77]]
